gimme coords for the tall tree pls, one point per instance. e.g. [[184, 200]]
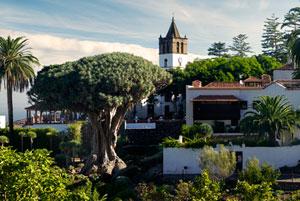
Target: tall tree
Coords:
[[104, 87], [292, 19], [273, 42], [16, 69], [271, 116], [218, 49], [294, 48], [240, 46]]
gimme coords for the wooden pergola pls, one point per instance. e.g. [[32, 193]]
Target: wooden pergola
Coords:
[[38, 115]]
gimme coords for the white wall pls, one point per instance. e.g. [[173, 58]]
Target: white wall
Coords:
[[173, 60], [174, 159], [283, 74]]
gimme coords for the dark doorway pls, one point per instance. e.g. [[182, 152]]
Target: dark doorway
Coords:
[[167, 112], [150, 110], [239, 160]]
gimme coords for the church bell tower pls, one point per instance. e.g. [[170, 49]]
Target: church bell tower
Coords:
[[173, 48]]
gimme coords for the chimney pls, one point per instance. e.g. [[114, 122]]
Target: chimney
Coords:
[[197, 84], [266, 78]]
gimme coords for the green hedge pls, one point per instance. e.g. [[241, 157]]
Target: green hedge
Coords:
[[42, 140]]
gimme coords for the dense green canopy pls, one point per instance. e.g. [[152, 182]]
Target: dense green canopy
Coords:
[[93, 83]]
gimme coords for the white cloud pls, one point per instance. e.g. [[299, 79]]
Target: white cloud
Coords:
[[52, 49]]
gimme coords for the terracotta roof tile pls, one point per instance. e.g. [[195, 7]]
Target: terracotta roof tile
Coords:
[[223, 85]]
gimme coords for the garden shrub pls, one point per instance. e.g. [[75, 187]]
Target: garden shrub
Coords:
[[42, 141], [219, 164], [170, 142], [206, 189], [32, 176], [255, 192], [184, 191], [256, 174], [197, 130], [147, 192]]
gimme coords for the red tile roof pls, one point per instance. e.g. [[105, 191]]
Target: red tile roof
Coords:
[[223, 85]]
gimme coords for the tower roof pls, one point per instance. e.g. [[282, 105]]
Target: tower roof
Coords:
[[173, 31]]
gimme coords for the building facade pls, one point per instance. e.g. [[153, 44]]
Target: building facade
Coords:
[[224, 104]]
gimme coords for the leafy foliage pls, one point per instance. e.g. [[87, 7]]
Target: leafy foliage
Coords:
[[255, 192], [256, 174], [219, 164], [271, 116], [203, 130], [3, 140], [32, 176], [206, 189]]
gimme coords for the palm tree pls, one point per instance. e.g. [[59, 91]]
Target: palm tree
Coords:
[[32, 135], [271, 116], [294, 46], [16, 70], [3, 140], [22, 134]]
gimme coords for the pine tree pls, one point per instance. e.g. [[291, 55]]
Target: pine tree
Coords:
[[273, 42], [218, 49], [240, 46], [292, 19]]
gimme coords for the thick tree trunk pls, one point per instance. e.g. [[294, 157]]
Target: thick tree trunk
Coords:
[[10, 111], [105, 127]]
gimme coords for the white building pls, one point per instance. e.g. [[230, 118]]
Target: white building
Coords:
[[223, 104], [284, 73]]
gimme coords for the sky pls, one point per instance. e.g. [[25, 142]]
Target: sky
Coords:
[[65, 30]]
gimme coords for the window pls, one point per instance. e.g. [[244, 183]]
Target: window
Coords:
[[166, 63], [177, 47], [182, 47], [167, 49], [164, 48]]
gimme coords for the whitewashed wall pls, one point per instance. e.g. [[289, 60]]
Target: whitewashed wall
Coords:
[[175, 159], [283, 74], [173, 60]]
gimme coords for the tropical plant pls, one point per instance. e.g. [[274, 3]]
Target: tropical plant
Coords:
[[3, 140], [32, 135], [271, 116], [16, 70], [294, 47], [104, 87], [219, 164], [22, 134], [240, 46]]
